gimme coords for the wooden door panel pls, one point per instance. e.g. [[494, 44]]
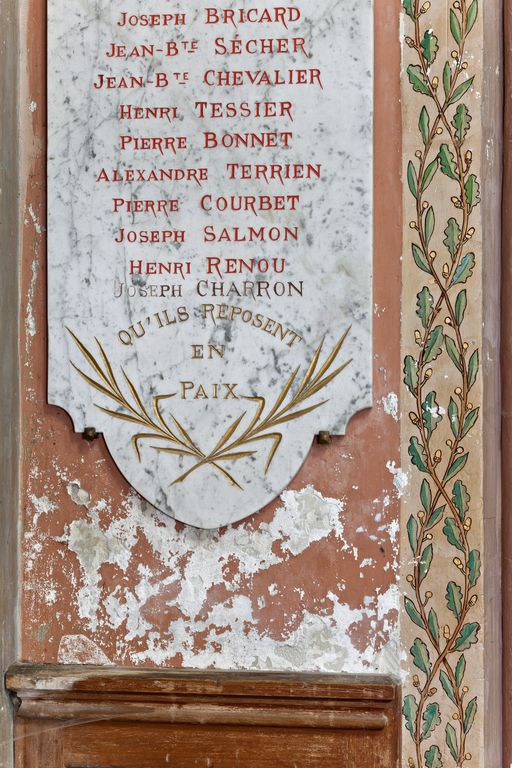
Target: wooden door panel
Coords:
[[84, 717], [219, 747]]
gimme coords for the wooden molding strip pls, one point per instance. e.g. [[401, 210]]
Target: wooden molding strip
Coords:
[[42, 677], [226, 713], [79, 693]]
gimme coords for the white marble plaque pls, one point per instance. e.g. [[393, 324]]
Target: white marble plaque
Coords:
[[210, 238]]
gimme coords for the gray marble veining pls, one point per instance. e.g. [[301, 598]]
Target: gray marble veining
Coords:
[[145, 179]]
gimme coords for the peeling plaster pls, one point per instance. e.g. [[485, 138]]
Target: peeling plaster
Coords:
[[35, 221], [30, 322], [94, 548], [78, 649], [400, 478], [42, 506], [390, 403], [76, 493], [202, 563]]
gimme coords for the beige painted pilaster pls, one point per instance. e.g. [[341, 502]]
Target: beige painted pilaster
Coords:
[[450, 432]]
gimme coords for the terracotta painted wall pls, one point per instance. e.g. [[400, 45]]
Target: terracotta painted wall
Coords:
[[310, 583]]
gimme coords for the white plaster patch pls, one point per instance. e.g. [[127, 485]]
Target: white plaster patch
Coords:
[[321, 643], [390, 656], [94, 547], [30, 321], [389, 601], [51, 597], [35, 221], [400, 478], [308, 516], [42, 506], [390, 403], [79, 649], [79, 495], [393, 531]]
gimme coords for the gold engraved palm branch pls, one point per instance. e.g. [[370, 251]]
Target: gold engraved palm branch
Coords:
[[231, 447]]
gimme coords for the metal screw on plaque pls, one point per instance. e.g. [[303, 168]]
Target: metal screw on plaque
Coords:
[[90, 434], [324, 438]]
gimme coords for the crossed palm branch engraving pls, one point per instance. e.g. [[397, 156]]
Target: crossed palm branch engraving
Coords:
[[235, 443]]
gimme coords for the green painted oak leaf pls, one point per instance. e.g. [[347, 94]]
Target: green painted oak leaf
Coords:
[[434, 345], [456, 467], [411, 374], [461, 499], [447, 78], [453, 352], [452, 533], [472, 189], [431, 719], [420, 654], [447, 162], [412, 179], [471, 16], [470, 714], [460, 670], [468, 637], [430, 224], [426, 495], [453, 417], [461, 122], [424, 125], [429, 46], [412, 533], [464, 270], [417, 79], [420, 259], [452, 240], [447, 686], [470, 421], [417, 454], [430, 172], [436, 516], [425, 562], [454, 599], [431, 413], [455, 27], [461, 306], [473, 366], [451, 742], [474, 567], [410, 711], [425, 306], [408, 6], [433, 624], [461, 91], [433, 758], [413, 613]]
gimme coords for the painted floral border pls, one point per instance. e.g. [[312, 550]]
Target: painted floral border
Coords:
[[441, 712]]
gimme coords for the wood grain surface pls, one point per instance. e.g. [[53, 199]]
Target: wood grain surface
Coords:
[[97, 717]]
